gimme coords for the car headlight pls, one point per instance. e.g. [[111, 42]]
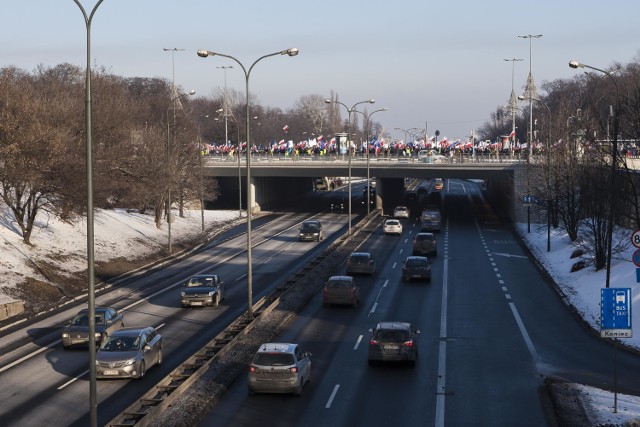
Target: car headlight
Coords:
[[65, 335], [130, 362], [183, 293], [212, 293]]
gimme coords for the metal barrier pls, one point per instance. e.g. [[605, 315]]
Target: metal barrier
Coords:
[[145, 410]]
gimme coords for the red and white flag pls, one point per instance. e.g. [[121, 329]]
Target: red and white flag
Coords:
[[512, 134], [286, 128]]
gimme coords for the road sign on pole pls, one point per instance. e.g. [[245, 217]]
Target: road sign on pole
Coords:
[[615, 314], [635, 239]]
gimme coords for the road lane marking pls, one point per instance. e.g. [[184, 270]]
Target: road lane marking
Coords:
[[523, 331], [72, 380], [359, 340], [373, 309], [442, 345], [333, 395]]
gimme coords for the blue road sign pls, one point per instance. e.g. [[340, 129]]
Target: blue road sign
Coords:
[[615, 313]]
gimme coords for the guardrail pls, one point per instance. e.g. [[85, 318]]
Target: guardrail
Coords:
[[145, 410]]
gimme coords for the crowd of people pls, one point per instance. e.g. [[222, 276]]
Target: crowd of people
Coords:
[[377, 148]]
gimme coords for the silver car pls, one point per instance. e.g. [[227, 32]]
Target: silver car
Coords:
[[129, 352], [76, 333], [202, 290], [279, 368]]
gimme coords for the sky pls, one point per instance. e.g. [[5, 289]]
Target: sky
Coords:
[[119, 233], [433, 64]]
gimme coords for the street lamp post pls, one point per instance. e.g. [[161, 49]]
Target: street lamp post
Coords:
[[530, 90], [548, 149], [512, 99], [93, 401], [349, 111], [614, 163], [169, 174], [366, 121], [225, 109], [203, 53]]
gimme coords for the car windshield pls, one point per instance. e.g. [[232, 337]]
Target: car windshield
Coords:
[[393, 223], [416, 263], [273, 359], [83, 320], [359, 259], [423, 237], [392, 336], [339, 284], [121, 343], [309, 227], [200, 282]]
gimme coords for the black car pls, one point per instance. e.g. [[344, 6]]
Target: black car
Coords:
[[311, 230], [107, 321], [393, 342], [202, 290], [416, 267], [425, 244], [338, 204]]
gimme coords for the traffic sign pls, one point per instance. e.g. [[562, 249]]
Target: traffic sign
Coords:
[[635, 239], [615, 313], [636, 257]]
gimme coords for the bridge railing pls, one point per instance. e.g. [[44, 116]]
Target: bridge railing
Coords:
[[361, 158]]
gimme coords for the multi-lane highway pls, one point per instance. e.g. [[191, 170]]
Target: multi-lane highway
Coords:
[[46, 385], [491, 329]]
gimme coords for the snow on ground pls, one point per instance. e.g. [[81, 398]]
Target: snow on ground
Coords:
[[119, 233], [582, 289]]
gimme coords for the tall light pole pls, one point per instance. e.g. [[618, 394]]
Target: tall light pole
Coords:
[[203, 53], [614, 163], [173, 68], [548, 150], [225, 109], [169, 172], [405, 133], [512, 99], [530, 90], [349, 111], [93, 401], [366, 121]]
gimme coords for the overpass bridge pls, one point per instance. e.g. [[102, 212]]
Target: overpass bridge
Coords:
[[280, 180]]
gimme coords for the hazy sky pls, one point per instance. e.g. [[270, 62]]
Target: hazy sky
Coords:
[[438, 63]]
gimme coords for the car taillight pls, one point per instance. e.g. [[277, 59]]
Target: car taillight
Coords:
[[293, 370], [408, 343], [373, 342], [253, 369]]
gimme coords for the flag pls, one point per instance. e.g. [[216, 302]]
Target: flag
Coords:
[[286, 128], [512, 134]]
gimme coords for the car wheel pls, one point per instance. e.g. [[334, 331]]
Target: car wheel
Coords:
[[298, 391], [142, 370]]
